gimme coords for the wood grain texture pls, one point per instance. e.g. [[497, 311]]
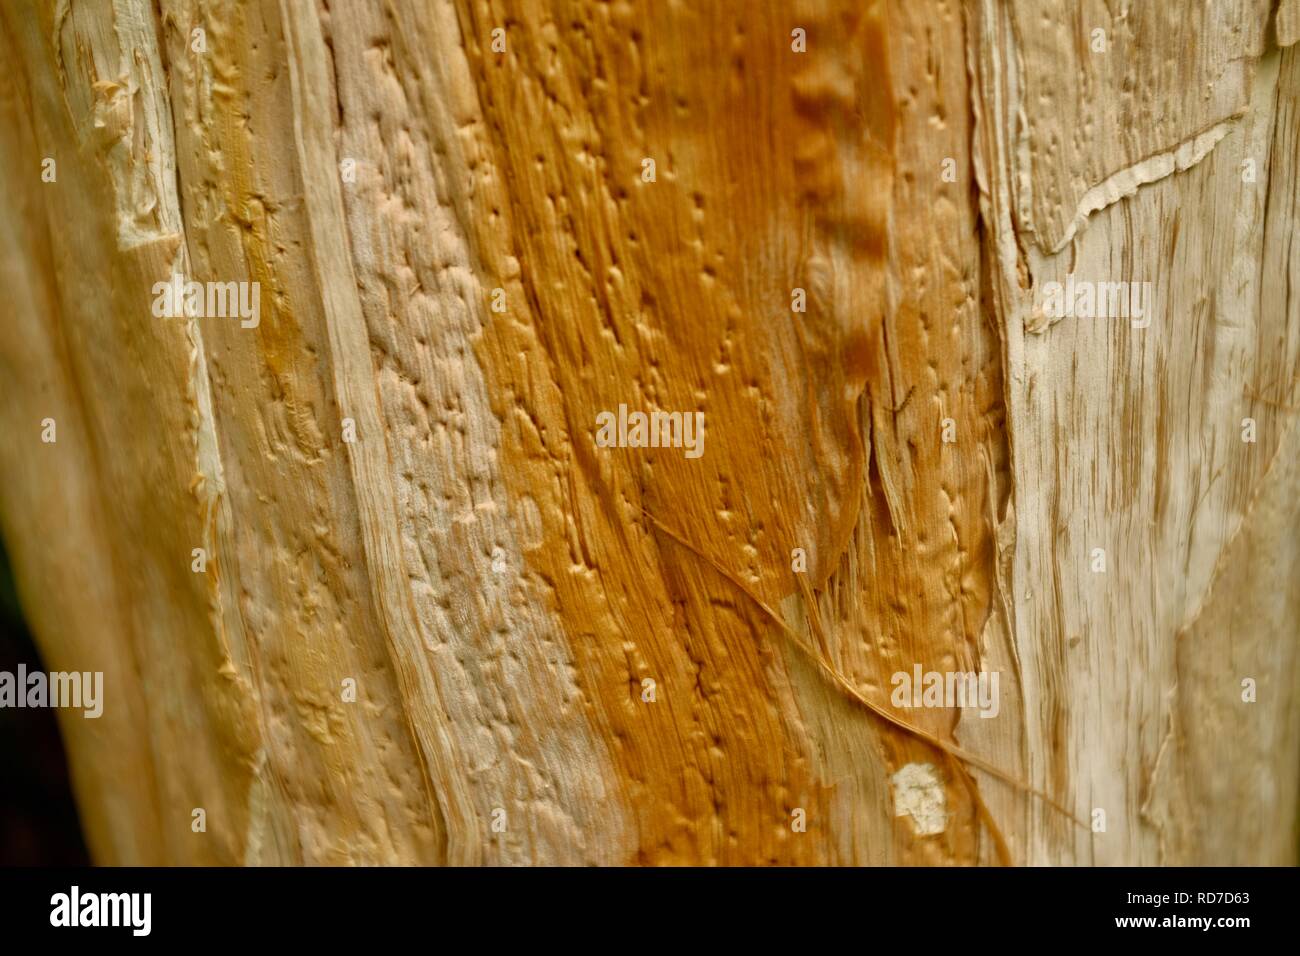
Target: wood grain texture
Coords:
[[461, 260]]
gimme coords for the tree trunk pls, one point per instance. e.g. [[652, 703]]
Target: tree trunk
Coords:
[[983, 323]]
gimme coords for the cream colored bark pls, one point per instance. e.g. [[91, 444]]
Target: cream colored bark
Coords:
[[830, 227]]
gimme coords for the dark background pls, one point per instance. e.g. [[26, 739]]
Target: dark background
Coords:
[[38, 819]]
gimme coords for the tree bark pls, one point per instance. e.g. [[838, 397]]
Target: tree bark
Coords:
[[363, 576]]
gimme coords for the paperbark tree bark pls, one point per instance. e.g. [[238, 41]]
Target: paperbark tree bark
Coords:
[[992, 314]]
